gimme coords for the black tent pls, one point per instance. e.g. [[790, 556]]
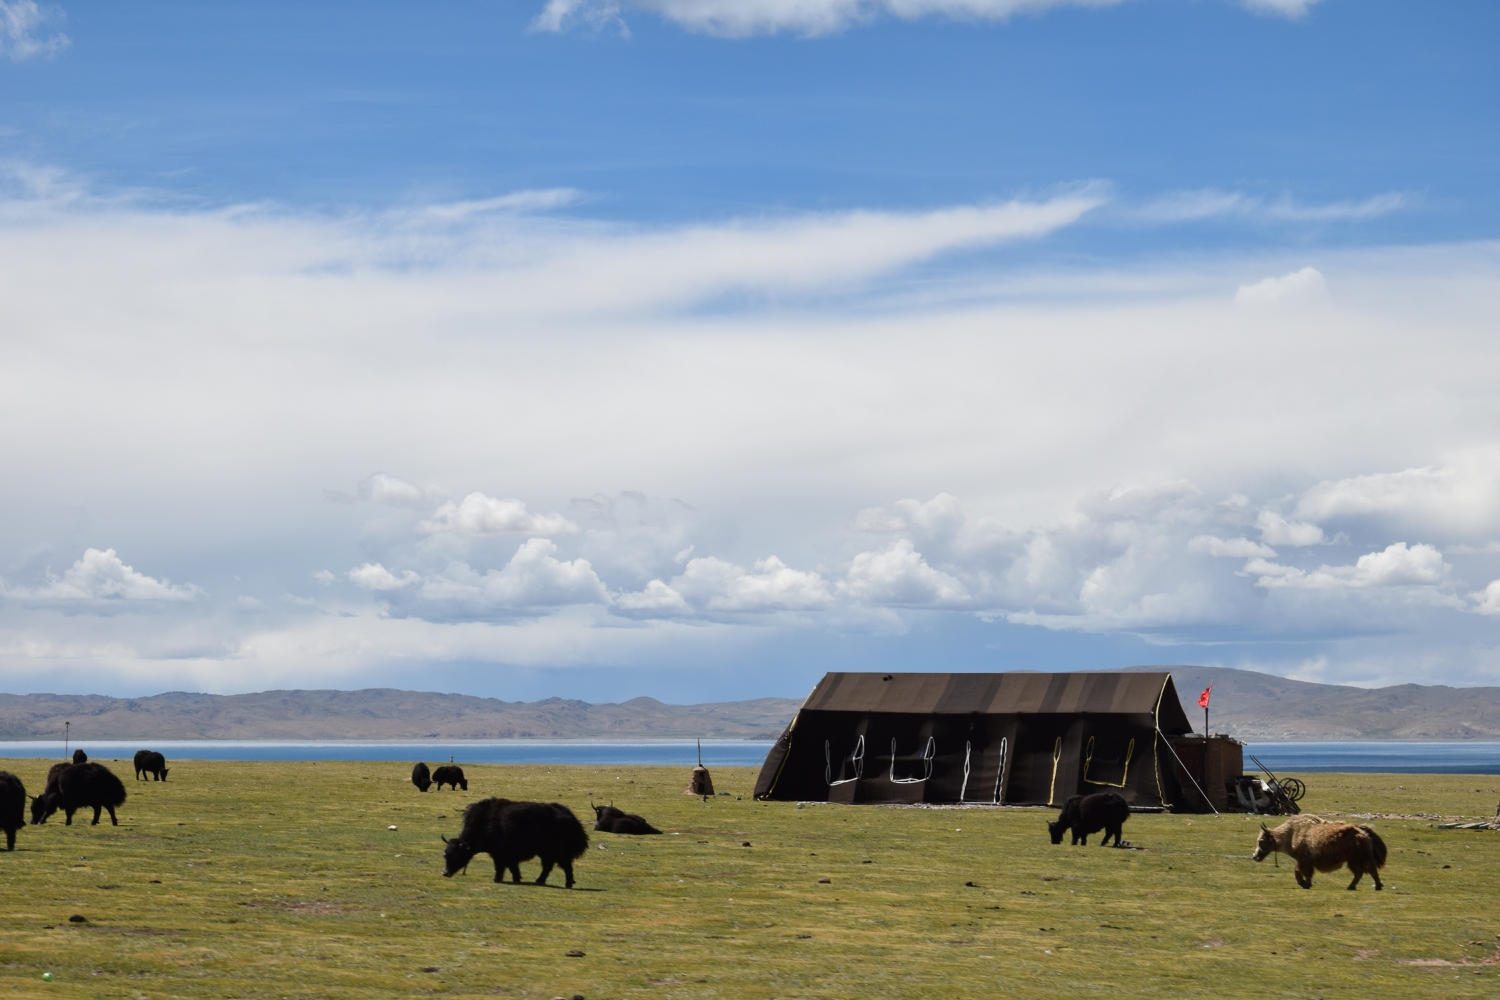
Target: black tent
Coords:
[[1013, 738]]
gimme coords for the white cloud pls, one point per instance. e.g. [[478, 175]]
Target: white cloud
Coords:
[[1395, 566], [517, 201], [1299, 286], [478, 514], [1239, 548], [744, 18], [1293, 9], [1191, 206], [22, 23], [385, 489], [714, 585], [533, 578], [1462, 498], [1487, 601], [373, 576], [900, 576], [325, 577], [103, 576], [1277, 530]]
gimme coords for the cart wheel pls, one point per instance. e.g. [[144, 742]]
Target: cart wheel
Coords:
[[1294, 789]]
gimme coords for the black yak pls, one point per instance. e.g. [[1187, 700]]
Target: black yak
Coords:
[[152, 763], [12, 807], [79, 757], [1086, 814], [612, 820], [421, 777], [512, 832], [39, 808], [84, 786], [450, 774]]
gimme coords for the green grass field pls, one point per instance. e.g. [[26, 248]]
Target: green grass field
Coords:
[[282, 880]]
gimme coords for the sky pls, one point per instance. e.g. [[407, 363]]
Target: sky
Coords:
[[692, 348]]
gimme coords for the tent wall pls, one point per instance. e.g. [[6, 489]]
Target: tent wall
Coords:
[[949, 738]]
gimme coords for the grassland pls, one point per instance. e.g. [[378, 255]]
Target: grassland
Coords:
[[282, 880]]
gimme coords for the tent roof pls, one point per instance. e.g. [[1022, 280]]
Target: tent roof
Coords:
[[1003, 694]]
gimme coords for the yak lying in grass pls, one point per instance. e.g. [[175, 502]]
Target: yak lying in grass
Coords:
[[512, 832], [152, 763], [451, 775], [421, 777], [39, 810], [1316, 845], [82, 786], [1086, 814], [12, 807], [611, 820]]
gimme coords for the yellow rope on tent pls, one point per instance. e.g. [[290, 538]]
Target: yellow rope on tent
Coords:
[[1124, 775], [1056, 756]]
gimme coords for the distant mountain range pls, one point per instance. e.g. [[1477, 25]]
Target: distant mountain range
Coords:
[[1245, 704]]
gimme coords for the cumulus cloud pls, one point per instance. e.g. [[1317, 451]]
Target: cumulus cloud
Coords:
[[710, 584], [477, 514], [385, 489], [1487, 601], [1461, 498], [23, 30], [101, 575], [1277, 530], [900, 576], [744, 18], [533, 578], [1239, 548], [1300, 286], [373, 576], [1395, 566]]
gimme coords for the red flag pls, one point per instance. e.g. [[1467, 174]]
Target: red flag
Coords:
[[1203, 698]]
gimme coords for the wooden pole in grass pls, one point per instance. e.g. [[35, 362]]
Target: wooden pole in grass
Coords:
[[67, 731]]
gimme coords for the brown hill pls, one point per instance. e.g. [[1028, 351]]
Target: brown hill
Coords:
[[1258, 706], [378, 714]]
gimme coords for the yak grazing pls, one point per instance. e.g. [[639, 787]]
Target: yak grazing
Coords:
[[452, 775], [1086, 814], [612, 820], [1316, 845], [12, 807], [82, 786], [512, 832], [421, 777], [39, 810], [152, 763]]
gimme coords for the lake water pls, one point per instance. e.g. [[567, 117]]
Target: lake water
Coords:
[[1374, 756]]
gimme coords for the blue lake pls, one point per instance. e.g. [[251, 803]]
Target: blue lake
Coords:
[[1373, 756]]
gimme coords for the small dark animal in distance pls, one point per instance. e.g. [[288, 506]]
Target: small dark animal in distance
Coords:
[[84, 786], [1324, 847], [451, 775], [512, 832], [152, 763], [1086, 814], [12, 807], [79, 757], [39, 810], [421, 777], [611, 820]]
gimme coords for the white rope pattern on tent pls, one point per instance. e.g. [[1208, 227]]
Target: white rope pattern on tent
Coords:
[[1000, 771], [928, 752], [964, 788], [858, 757]]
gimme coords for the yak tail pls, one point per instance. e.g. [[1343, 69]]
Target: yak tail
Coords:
[[572, 841], [1376, 844]]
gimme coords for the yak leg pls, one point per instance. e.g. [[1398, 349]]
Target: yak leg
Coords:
[[546, 870], [515, 873], [112, 820], [96, 817], [500, 867], [10, 845], [1304, 876], [567, 867], [1375, 874], [1358, 874], [70, 816]]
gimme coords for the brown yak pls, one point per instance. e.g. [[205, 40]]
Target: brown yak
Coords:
[[1318, 845]]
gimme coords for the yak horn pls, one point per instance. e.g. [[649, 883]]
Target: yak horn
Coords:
[[442, 838]]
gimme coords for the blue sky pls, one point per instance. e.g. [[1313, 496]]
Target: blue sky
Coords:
[[693, 348]]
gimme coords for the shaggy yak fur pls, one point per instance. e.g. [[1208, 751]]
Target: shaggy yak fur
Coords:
[[79, 757], [152, 763], [421, 777], [84, 786], [512, 832], [1086, 814], [12, 807], [39, 809], [1324, 847], [612, 820], [451, 775]]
